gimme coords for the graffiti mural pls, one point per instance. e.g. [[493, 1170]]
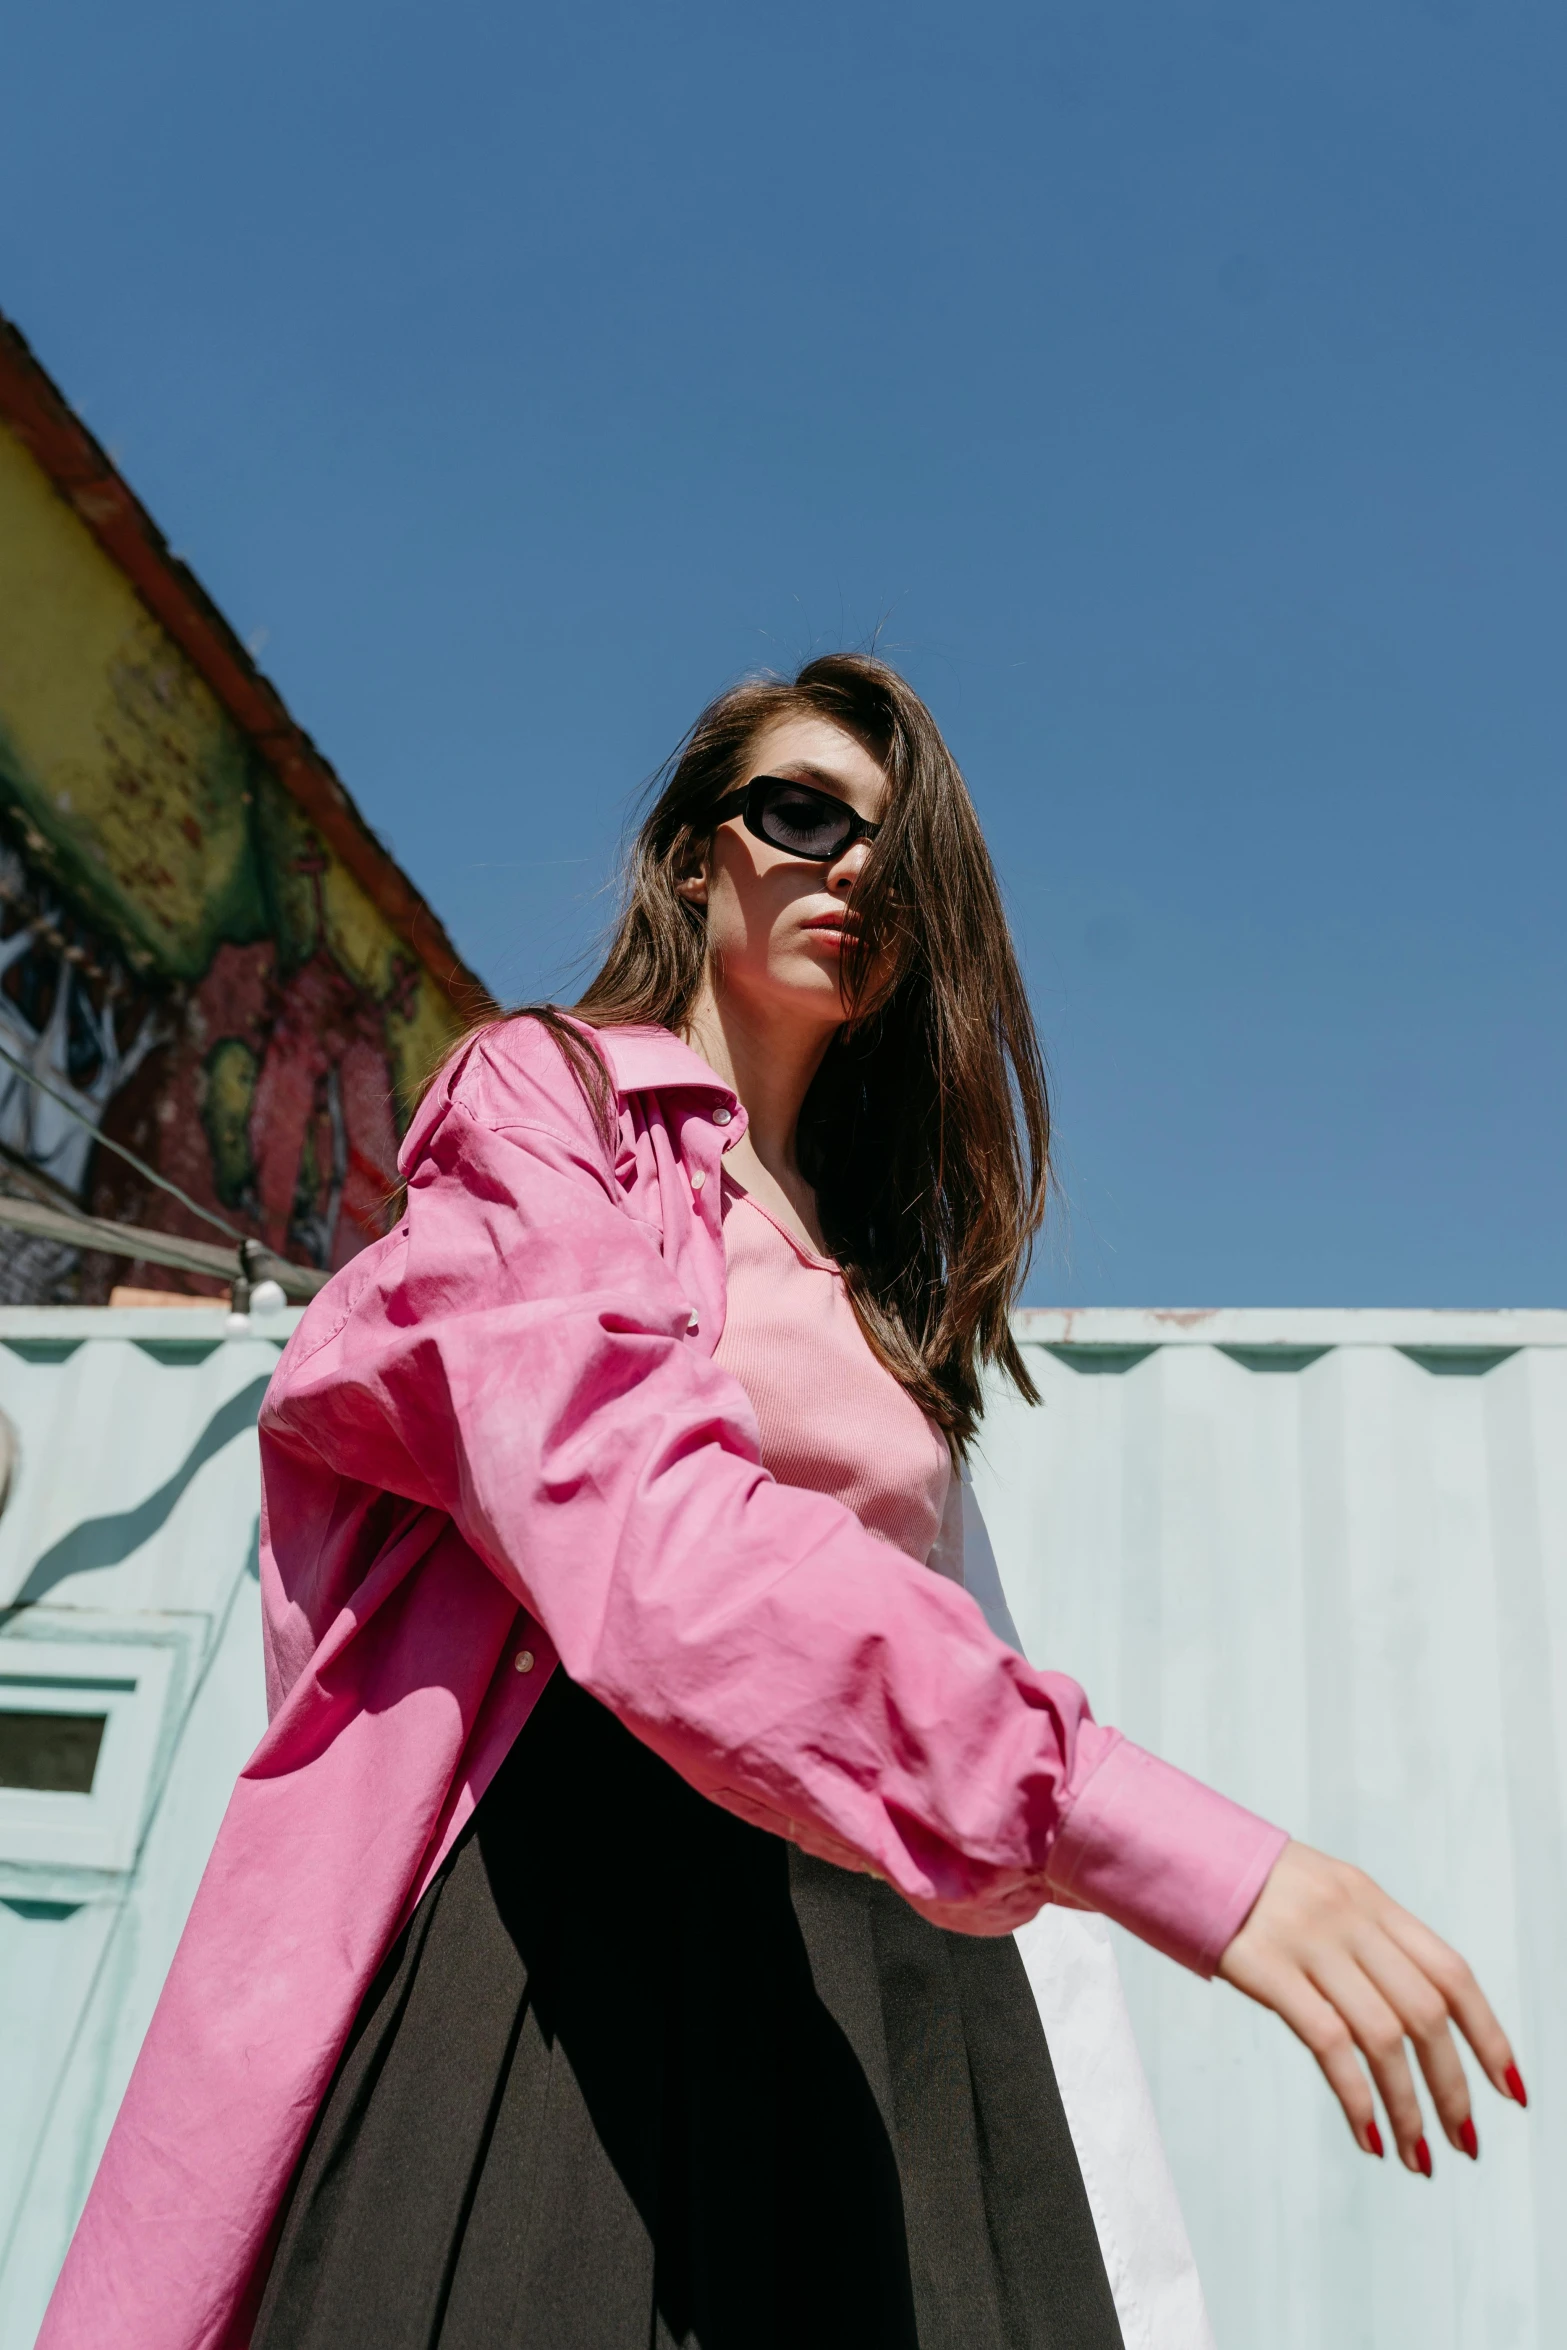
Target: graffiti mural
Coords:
[[71, 1014], [203, 948]]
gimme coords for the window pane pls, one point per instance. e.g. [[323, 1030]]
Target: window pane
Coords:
[[57, 1753]]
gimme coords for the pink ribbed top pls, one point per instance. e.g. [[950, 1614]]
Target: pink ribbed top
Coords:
[[831, 1416]]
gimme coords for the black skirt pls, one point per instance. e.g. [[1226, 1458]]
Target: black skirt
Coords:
[[638, 2075]]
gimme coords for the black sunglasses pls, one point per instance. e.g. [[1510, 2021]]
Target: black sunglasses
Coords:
[[796, 818]]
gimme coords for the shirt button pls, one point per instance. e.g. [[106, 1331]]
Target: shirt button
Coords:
[[695, 1322], [523, 1660], [699, 1178], [721, 1116]]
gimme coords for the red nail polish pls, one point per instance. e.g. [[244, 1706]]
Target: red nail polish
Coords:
[[1374, 2139], [1514, 2079], [1423, 2157], [1468, 2141]]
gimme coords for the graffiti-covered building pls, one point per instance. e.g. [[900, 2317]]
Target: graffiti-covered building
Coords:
[[203, 947]]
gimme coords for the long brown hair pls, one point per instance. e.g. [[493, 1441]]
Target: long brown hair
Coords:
[[926, 1130]]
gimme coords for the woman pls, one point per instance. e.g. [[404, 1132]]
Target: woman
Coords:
[[610, 1942]]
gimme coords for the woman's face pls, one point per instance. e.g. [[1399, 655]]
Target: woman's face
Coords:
[[775, 923]]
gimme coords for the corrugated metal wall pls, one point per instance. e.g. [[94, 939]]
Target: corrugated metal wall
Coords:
[[129, 1534], [1321, 1560]]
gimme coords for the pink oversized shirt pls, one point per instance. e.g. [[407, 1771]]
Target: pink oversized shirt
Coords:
[[498, 1440]]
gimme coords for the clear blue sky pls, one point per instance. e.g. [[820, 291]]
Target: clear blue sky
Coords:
[[1179, 390]]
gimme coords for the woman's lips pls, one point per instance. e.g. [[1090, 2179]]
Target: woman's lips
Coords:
[[833, 923]]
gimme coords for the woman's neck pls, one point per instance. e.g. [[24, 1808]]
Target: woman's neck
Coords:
[[769, 1061]]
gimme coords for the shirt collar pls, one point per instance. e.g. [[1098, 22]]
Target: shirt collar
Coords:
[[649, 1060]]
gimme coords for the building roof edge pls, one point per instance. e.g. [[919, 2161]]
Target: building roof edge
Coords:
[[83, 473]]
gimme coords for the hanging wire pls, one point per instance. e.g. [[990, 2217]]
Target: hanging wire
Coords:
[[162, 1248], [109, 1144]]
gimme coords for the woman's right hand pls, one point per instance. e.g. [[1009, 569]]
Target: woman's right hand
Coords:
[[1348, 1969]]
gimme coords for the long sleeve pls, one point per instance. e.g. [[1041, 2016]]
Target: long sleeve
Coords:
[[520, 1358]]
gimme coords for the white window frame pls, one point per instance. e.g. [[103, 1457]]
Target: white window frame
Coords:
[[129, 1684]]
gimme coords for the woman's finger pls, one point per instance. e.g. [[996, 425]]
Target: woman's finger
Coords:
[[1278, 1983], [1464, 1999], [1377, 2030], [1422, 2011]]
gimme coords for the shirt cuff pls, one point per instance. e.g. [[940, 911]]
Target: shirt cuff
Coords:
[[1175, 1863]]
